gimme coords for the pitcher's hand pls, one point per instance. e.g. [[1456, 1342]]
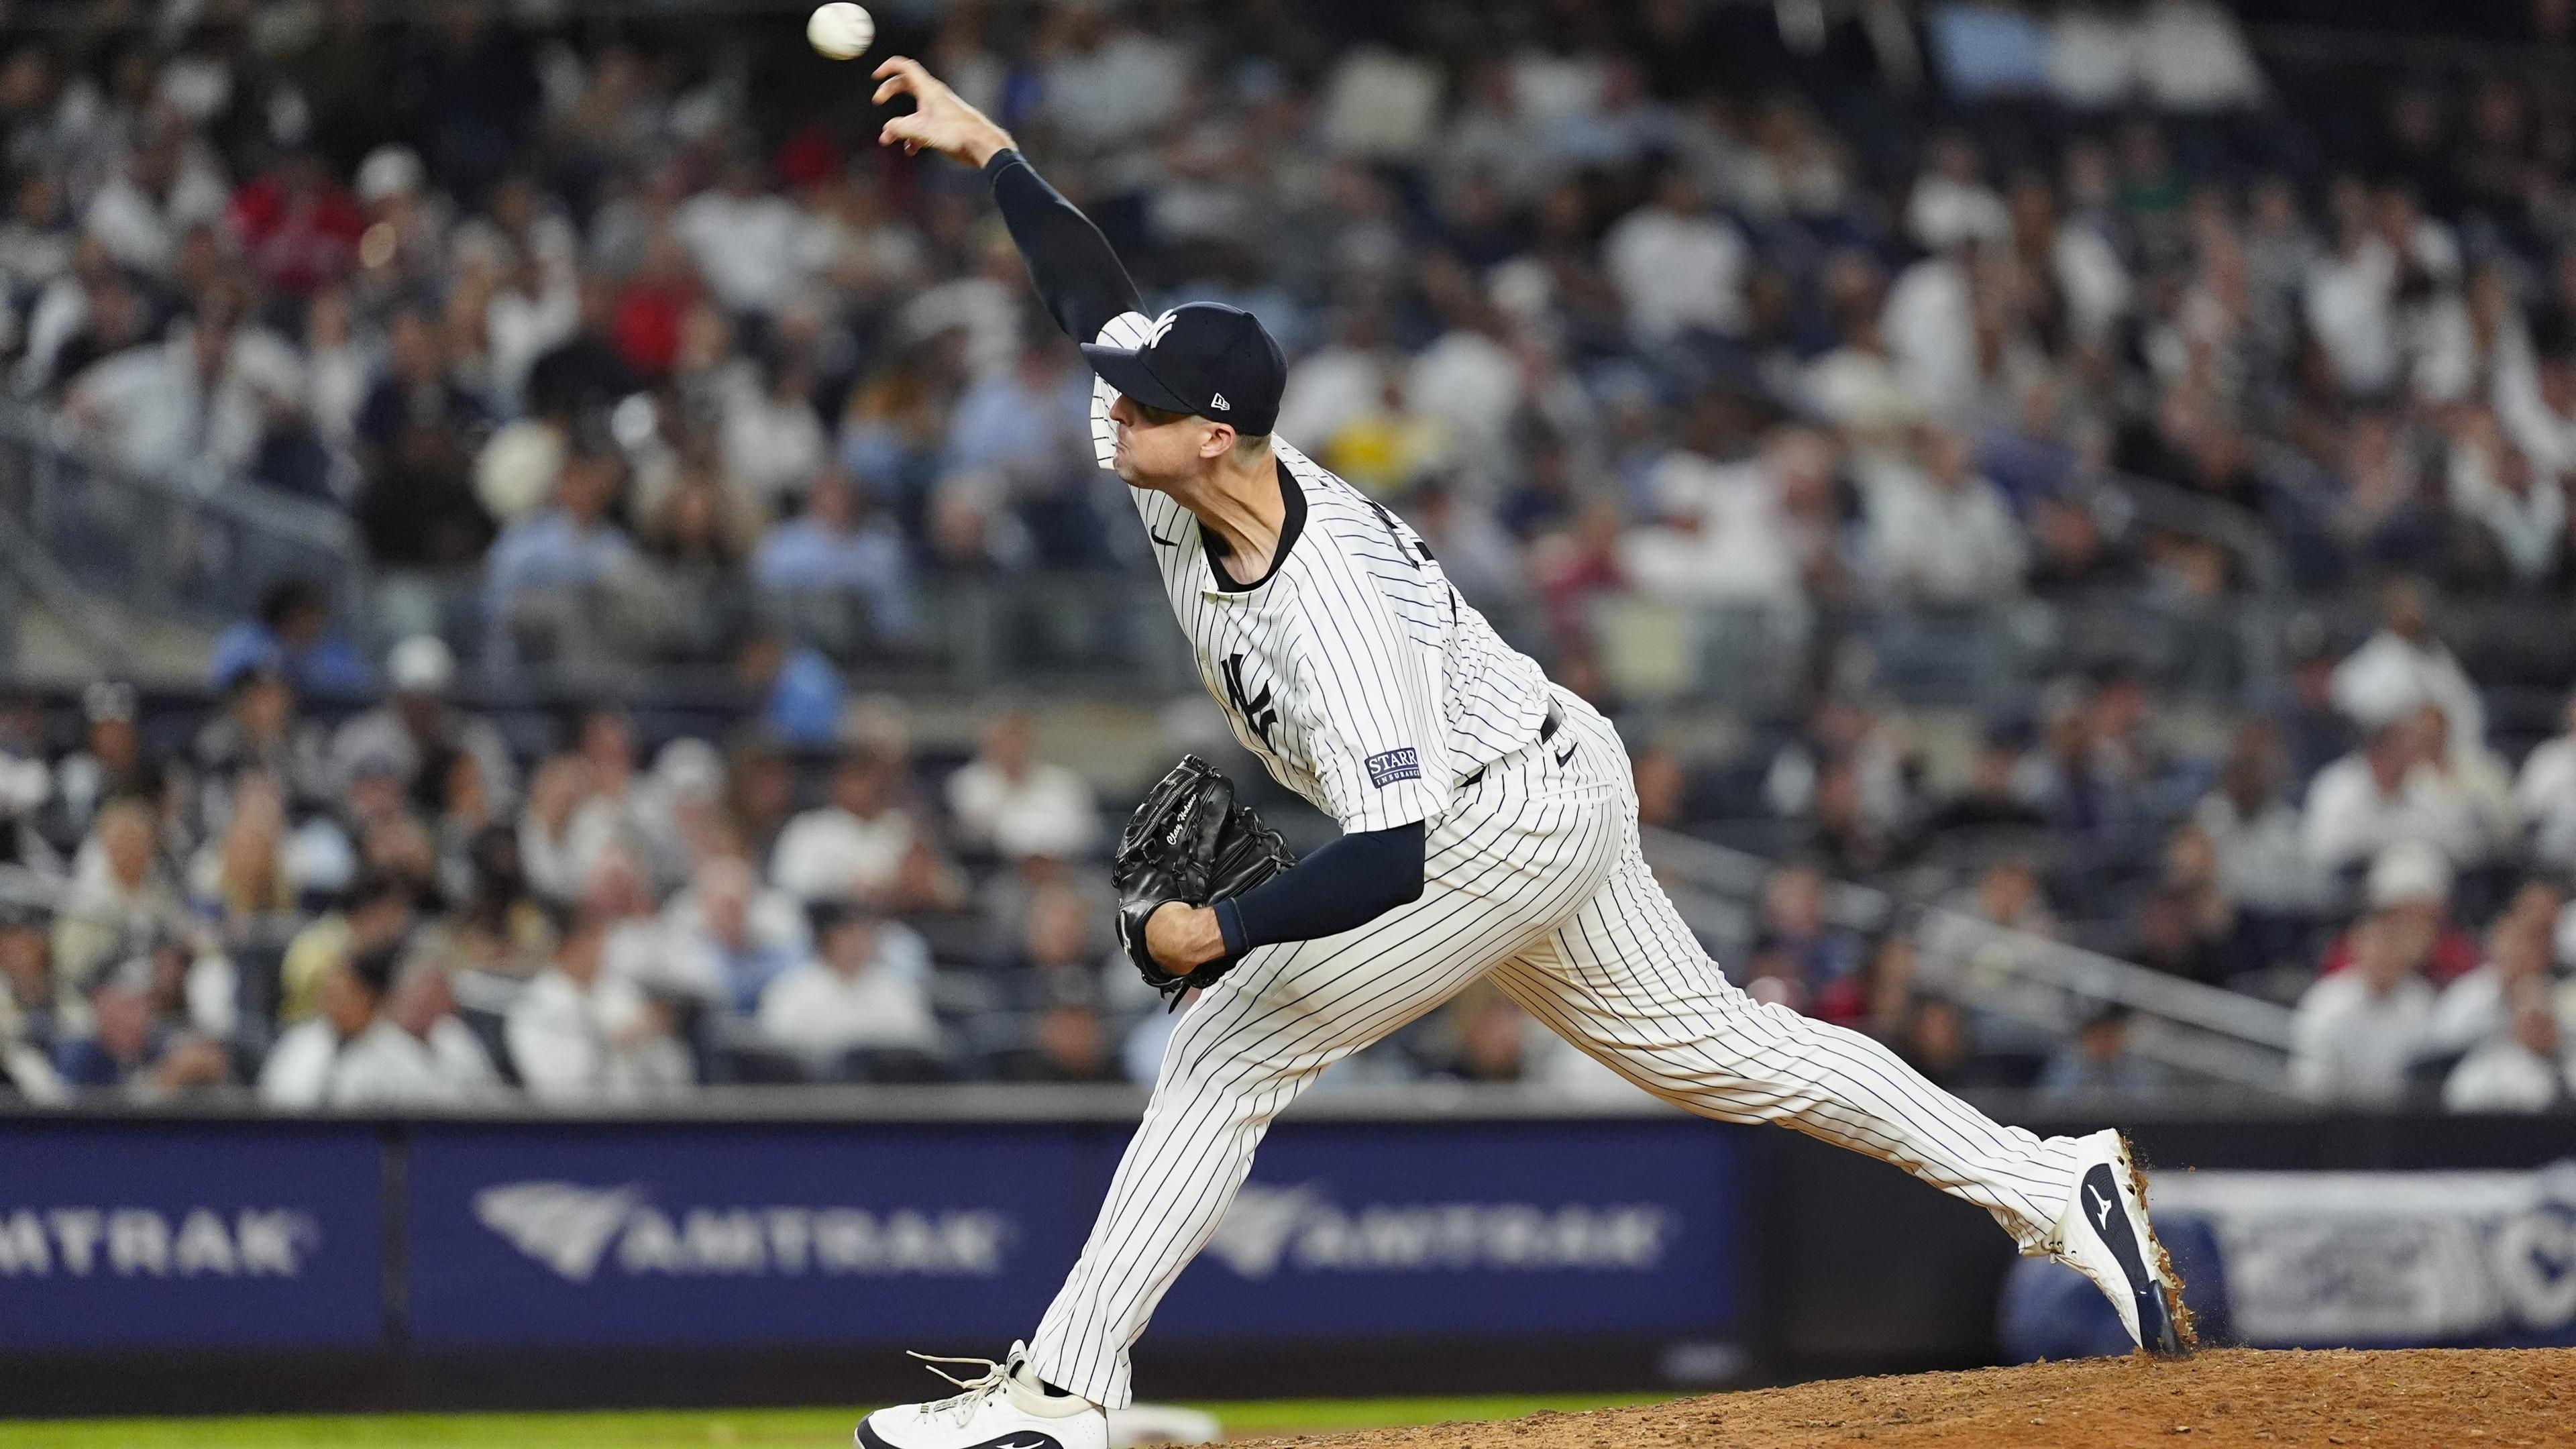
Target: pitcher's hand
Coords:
[[941, 121]]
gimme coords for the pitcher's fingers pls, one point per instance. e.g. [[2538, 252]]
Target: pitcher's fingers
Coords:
[[902, 76]]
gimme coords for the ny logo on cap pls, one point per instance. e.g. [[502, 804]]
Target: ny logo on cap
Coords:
[[1161, 325]]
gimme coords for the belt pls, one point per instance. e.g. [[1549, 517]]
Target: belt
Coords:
[[1547, 729]]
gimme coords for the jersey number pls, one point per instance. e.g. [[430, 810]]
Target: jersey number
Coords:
[[1257, 714]]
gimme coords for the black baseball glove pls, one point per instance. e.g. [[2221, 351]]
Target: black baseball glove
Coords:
[[1190, 841]]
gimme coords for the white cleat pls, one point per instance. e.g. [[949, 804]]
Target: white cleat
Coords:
[[2104, 1234], [1005, 1407]]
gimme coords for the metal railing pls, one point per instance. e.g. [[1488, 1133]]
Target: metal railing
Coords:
[[2204, 1031]]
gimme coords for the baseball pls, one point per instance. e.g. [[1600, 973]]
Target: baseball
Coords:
[[841, 30]]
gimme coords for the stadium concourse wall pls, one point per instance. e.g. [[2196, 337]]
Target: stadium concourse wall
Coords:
[[768, 1248]]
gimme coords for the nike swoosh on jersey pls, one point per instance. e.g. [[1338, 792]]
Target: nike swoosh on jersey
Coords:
[[1165, 542]]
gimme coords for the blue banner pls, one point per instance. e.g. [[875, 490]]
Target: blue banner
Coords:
[[676, 1234], [1489, 1229], [127, 1236]]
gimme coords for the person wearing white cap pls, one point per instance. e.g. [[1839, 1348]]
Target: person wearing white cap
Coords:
[[416, 727]]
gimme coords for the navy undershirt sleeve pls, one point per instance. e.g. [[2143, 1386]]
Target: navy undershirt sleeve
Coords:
[[1346, 884], [1070, 261]]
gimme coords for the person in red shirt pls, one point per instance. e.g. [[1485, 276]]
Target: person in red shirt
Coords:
[[2413, 879], [298, 225]]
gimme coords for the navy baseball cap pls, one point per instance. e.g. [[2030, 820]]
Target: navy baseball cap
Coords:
[[1204, 358]]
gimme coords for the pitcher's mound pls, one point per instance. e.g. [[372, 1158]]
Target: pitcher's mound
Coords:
[[2235, 1398]]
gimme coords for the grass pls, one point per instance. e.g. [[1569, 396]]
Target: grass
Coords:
[[699, 1428]]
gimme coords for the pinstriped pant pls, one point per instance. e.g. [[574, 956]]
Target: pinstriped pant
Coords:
[[1535, 879]]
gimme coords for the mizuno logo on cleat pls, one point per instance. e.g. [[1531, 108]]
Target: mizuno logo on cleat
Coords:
[[2101, 1209]]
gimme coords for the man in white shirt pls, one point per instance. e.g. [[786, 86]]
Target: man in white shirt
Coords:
[[1725, 536], [1679, 269], [580, 1035], [2404, 664], [423, 1006], [863, 845], [2478, 1007], [203, 396], [165, 188], [753, 246], [1940, 531], [2524, 1070], [302, 1062], [1008, 798], [849, 997], [2382, 794], [2357, 1032], [2546, 794]]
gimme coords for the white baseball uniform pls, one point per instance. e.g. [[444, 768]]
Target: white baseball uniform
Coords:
[[1366, 685]]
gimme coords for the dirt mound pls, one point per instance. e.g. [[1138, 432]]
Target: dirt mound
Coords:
[[2232, 1397]]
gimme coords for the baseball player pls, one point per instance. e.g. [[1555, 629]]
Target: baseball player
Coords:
[[1489, 832]]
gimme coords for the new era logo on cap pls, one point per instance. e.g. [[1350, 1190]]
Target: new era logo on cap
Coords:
[[1203, 358]]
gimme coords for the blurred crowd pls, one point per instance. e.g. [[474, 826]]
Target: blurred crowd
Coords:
[[386, 910], [621, 336]]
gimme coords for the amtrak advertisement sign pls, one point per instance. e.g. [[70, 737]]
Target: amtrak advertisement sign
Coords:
[[687, 1235], [925, 1236], [115, 1238], [1532, 1229]]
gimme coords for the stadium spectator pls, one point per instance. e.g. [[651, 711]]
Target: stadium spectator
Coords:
[[832, 546], [375, 915], [852, 996], [1010, 801], [240, 880], [453, 1067], [2404, 664], [862, 846], [28, 1005], [120, 893], [2477, 1006], [422, 732], [262, 728], [2255, 830], [1679, 267], [416, 434], [544, 569], [2412, 881], [2545, 793], [581, 1035], [1068, 1038], [2525, 1068], [128, 1046], [292, 636], [722, 953], [308, 1060], [2357, 1033], [110, 763], [2099, 1062], [2386, 793]]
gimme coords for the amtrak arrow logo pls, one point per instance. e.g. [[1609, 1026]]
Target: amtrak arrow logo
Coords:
[[563, 1225]]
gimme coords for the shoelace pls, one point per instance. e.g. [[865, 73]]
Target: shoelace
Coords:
[[977, 1389]]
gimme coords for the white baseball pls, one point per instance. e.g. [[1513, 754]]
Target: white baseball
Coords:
[[841, 30]]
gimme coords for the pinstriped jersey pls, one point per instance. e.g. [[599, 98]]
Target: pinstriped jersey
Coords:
[[1354, 670]]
